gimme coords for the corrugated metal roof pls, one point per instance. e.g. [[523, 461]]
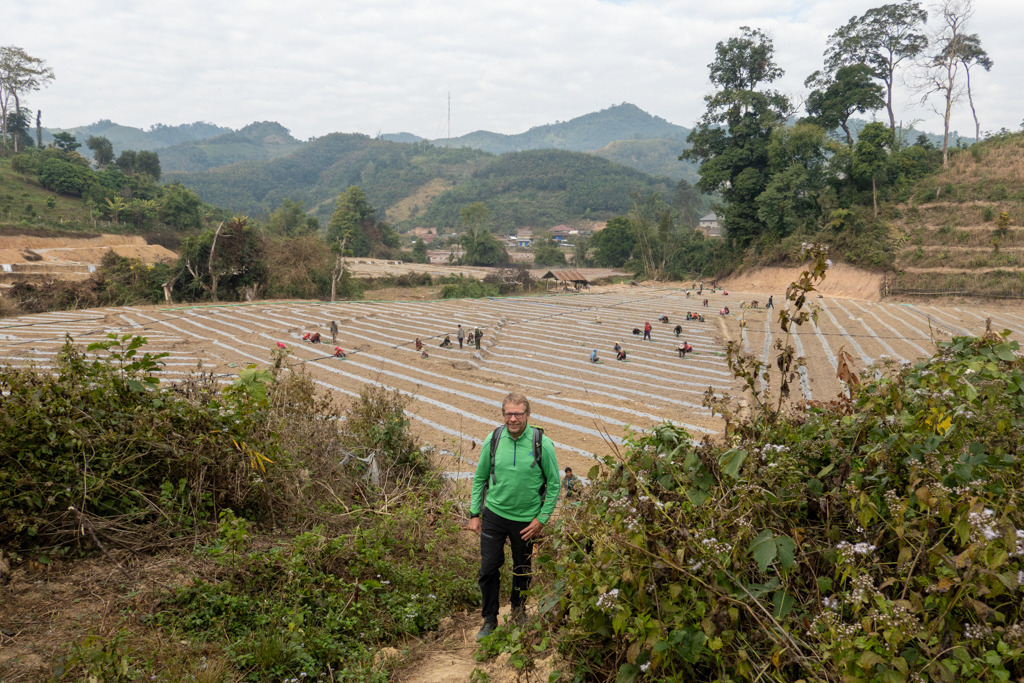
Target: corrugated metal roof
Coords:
[[565, 276]]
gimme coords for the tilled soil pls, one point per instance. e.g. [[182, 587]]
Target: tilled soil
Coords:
[[537, 345]]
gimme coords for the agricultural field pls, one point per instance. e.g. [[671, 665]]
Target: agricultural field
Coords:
[[537, 345]]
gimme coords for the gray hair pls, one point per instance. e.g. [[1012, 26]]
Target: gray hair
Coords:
[[517, 398]]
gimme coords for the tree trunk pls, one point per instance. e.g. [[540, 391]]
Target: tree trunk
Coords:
[[888, 105], [17, 110], [970, 98], [209, 263], [168, 287], [846, 129], [39, 128]]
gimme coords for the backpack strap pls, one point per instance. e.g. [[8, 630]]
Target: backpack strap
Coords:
[[538, 453], [495, 437]]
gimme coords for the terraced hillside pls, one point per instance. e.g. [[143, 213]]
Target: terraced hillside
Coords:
[[539, 345], [950, 237]]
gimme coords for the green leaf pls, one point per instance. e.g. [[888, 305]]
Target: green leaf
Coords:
[[731, 461], [628, 673], [1004, 353], [824, 584], [783, 601], [763, 549], [786, 547]]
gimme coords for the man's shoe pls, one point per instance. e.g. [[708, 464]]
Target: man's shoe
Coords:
[[486, 630], [519, 617]]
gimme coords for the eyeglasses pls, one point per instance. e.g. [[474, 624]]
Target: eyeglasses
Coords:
[[518, 416]]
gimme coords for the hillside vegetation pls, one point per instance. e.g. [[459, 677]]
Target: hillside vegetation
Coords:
[[591, 131], [654, 157], [963, 228], [260, 140], [158, 136], [529, 188]]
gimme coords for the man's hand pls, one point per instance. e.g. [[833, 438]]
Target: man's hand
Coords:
[[532, 530], [474, 525]]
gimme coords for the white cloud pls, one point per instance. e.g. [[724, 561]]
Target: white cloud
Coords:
[[387, 66]]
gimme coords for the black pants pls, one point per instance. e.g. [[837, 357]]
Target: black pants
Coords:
[[647, 334], [493, 532], [460, 342]]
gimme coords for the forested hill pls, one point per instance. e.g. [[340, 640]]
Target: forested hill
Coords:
[[582, 134], [157, 137], [543, 188], [259, 140], [426, 185]]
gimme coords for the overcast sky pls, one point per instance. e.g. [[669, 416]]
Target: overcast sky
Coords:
[[387, 66]]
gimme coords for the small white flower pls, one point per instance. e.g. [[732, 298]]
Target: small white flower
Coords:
[[645, 667]]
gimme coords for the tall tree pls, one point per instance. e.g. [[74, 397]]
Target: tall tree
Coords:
[[972, 54], [475, 218], [688, 203], [871, 156], [350, 220], [882, 38], [614, 245], [149, 163], [102, 150], [20, 73], [939, 70], [66, 141], [838, 96], [730, 140]]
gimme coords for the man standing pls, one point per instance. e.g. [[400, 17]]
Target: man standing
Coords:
[[461, 334], [769, 304], [334, 332], [521, 494], [647, 330], [477, 338]]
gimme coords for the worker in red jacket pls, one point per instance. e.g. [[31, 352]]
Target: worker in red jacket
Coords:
[[647, 330]]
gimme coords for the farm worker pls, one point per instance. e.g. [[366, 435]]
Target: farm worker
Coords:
[[598, 320], [647, 330], [662, 318], [419, 344], [334, 332], [281, 346], [679, 328], [572, 483], [315, 338], [618, 347], [593, 356], [461, 334], [700, 318], [306, 337], [682, 350], [519, 476], [446, 343], [769, 304], [621, 355], [339, 352], [705, 303], [478, 337], [424, 354]]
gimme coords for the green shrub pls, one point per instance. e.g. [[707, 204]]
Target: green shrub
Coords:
[[464, 287], [874, 538], [142, 460], [990, 214]]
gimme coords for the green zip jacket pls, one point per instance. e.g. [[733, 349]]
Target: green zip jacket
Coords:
[[515, 492]]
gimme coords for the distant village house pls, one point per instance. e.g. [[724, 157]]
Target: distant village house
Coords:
[[524, 238], [709, 224]]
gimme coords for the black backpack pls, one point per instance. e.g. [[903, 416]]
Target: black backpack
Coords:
[[538, 437]]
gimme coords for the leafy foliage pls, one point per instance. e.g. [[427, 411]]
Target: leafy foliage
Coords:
[[102, 435]]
